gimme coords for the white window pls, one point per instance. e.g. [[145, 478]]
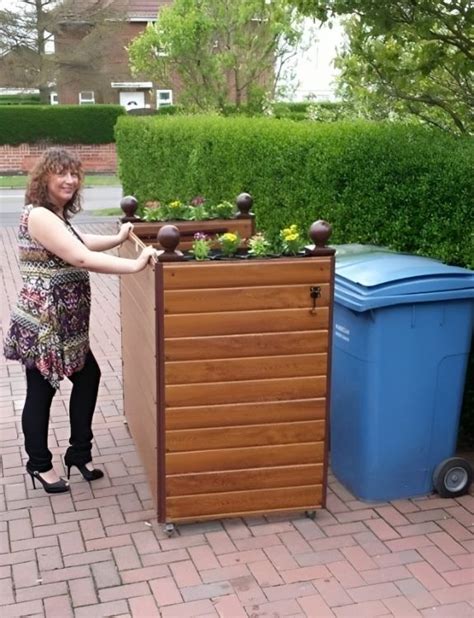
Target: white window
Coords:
[[164, 98], [86, 97], [53, 98]]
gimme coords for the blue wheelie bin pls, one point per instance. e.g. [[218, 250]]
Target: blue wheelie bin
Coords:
[[401, 340]]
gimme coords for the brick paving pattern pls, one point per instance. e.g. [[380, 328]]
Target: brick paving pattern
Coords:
[[99, 551]]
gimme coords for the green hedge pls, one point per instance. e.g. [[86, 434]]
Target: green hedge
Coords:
[[20, 99], [58, 124], [405, 187]]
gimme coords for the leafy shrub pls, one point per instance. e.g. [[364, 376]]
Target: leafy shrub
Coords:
[[58, 124], [401, 186], [20, 99]]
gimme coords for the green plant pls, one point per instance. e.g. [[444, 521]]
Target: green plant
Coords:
[[223, 210], [291, 241], [229, 243], [58, 124], [258, 245], [201, 246]]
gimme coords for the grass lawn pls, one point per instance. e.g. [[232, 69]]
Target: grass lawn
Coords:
[[96, 180]]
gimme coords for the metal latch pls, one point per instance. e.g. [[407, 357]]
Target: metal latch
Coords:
[[315, 293]]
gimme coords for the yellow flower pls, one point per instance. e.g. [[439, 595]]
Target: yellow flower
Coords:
[[175, 204], [229, 237]]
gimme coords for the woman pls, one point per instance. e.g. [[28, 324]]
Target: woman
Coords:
[[49, 329]]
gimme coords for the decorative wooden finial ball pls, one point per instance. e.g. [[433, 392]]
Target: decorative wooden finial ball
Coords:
[[244, 202], [319, 232], [129, 205], [168, 237]]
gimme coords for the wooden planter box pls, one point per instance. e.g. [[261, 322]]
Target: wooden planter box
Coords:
[[226, 369], [147, 232]]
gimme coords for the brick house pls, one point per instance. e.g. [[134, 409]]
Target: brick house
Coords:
[[106, 78]]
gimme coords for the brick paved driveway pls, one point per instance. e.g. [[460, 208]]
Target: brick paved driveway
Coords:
[[99, 552]]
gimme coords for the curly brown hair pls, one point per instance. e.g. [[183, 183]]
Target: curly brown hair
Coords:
[[54, 161]]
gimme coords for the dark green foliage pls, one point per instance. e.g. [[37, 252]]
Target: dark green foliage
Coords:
[[401, 186], [20, 99], [58, 124]]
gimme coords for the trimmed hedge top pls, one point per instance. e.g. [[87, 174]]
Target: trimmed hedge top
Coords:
[[400, 186], [58, 124]]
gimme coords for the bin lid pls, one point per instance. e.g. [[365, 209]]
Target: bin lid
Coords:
[[379, 278]]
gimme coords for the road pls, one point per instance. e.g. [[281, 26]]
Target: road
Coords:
[[95, 198]]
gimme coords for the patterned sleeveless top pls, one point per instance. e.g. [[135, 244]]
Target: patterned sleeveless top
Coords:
[[49, 327]]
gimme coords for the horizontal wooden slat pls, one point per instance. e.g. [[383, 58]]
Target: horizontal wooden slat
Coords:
[[238, 273], [238, 480], [237, 346], [232, 503], [244, 458], [252, 413], [248, 390], [238, 322], [253, 435], [243, 299], [189, 228], [188, 372]]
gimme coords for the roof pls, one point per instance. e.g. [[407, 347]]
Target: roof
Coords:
[[146, 9]]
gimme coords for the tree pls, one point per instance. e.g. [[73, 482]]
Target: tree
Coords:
[[408, 57], [28, 29], [222, 51]]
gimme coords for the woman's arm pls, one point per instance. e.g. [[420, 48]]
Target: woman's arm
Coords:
[[99, 242], [47, 229]]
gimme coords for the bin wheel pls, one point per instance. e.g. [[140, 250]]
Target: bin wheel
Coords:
[[310, 514], [170, 529], [452, 477]]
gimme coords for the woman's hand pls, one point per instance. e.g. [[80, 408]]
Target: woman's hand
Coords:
[[124, 232], [144, 258]]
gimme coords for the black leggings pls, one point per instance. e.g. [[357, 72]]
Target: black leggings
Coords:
[[35, 418]]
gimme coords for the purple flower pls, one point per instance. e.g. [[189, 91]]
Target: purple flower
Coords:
[[198, 200], [200, 236]]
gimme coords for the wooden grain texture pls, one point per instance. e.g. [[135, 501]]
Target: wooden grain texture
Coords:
[[238, 480], [237, 322], [148, 231], [245, 391], [244, 458], [137, 307], [217, 370], [252, 413], [253, 344], [244, 384], [238, 273], [243, 298], [237, 436], [231, 504]]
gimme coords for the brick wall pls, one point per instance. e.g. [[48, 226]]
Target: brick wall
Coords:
[[94, 157]]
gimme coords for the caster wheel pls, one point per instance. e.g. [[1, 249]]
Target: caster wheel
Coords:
[[310, 514], [452, 477], [170, 529]]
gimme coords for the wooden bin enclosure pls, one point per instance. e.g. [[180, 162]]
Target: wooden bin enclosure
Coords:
[[243, 223], [226, 369]]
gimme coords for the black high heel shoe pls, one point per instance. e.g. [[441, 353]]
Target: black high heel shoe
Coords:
[[51, 488], [89, 475]]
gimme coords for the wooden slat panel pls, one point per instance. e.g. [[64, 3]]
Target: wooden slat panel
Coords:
[[249, 390], [189, 228], [253, 435], [244, 458], [232, 503], [238, 322], [236, 480], [237, 346], [139, 369], [245, 413], [243, 299], [188, 372], [191, 275]]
